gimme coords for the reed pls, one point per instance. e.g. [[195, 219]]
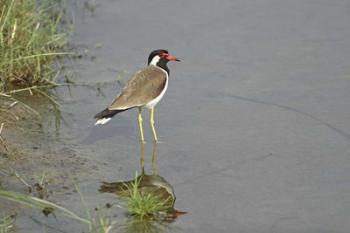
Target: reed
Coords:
[[30, 43]]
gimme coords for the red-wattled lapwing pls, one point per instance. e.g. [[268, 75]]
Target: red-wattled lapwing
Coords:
[[145, 89]]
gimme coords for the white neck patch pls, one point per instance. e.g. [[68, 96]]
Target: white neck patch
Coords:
[[155, 60]]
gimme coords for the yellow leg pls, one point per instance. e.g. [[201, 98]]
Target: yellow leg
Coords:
[[154, 159], [141, 127], [152, 125], [142, 158]]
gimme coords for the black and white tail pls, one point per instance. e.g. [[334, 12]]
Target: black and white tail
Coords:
[[105, 116]]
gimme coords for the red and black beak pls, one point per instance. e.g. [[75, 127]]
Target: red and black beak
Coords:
[[171, 58]]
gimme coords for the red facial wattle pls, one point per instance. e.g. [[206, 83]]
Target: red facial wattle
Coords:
[[171, 58], [168, 57]]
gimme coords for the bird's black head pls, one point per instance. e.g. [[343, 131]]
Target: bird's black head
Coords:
[[160, 57], [155, 53]]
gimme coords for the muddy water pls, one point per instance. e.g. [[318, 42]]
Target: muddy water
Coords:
[[255, 124]]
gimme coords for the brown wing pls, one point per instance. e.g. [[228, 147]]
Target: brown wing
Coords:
[[143, 87]]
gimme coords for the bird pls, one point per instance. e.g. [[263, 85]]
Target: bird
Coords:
[[144, 89]]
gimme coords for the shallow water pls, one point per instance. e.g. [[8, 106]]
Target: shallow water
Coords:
[[254, 127]]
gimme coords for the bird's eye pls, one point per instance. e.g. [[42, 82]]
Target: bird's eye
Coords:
[[163, 55]]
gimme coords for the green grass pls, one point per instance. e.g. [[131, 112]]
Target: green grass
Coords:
[[37, 203], [143, 204], [30, 42], [96, 225], [6, 223]]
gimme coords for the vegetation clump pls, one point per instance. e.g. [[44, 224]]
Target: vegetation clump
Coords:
[[30, 40], [145, 201]]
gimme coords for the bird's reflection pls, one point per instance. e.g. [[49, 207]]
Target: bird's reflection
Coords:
[[154, 185]]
